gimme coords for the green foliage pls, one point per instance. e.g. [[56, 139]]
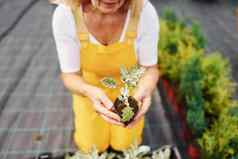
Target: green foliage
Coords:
[[134, 152], [131, 76], [175, 33], [127, 114], [109, 82], [170, 17], [190, 88], [178, 39], [205, 85], [200, 41], [221, 141], [218, 85], [92, 155]]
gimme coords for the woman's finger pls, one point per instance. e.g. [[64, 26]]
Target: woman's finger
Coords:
[[144, 108], [111, 120], [106, 101], [102, 110], [133, 123]]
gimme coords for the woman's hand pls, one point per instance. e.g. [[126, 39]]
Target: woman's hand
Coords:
[[144, 99], [102, 104], [144, 92]]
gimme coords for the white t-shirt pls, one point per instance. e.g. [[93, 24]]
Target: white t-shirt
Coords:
[[68, 46]]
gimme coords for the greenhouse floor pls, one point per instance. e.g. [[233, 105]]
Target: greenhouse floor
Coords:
[[35, 108]]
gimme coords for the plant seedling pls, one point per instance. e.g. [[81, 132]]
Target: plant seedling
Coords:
[[125, 105]]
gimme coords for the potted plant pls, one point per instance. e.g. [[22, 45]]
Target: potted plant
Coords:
[[125, 105], [134, 152]]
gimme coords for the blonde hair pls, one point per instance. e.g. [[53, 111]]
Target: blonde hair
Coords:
[[77, 3], [73, 3]]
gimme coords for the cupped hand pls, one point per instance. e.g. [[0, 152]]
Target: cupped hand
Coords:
[[144, 100], [103, 105]]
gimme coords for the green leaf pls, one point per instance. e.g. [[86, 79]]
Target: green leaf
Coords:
[[109, 82], [127, 114], [131, 76]]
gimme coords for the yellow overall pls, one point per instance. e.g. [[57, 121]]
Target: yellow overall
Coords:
[[97, 62]]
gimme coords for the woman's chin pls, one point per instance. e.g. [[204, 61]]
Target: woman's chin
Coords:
[[108, 9]]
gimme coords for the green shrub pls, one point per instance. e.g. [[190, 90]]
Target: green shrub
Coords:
[[221, 141], [200, 41], [204, 85], [218, 86], [190, 87], [178, 39]]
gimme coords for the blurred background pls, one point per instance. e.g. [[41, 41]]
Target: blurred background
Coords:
[[35, 108]]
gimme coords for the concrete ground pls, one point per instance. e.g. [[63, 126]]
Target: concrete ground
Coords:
[[35, 108]]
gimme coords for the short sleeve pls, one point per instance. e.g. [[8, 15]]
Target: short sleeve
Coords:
[[67, 45], [148, 35]]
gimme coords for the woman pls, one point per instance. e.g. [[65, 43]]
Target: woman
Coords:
[[94, 38]]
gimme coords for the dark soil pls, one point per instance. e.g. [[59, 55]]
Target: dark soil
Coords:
[[119, 106]]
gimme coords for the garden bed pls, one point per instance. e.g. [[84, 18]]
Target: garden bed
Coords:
[[176, 112], [202, 89], [142, 152]]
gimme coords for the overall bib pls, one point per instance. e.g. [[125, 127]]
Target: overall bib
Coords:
[[97, 62]]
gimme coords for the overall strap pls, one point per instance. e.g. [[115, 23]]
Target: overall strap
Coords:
[[136, 8], [131, 32], [81, 30]]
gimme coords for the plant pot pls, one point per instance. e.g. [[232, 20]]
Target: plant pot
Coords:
[[126, 112]]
